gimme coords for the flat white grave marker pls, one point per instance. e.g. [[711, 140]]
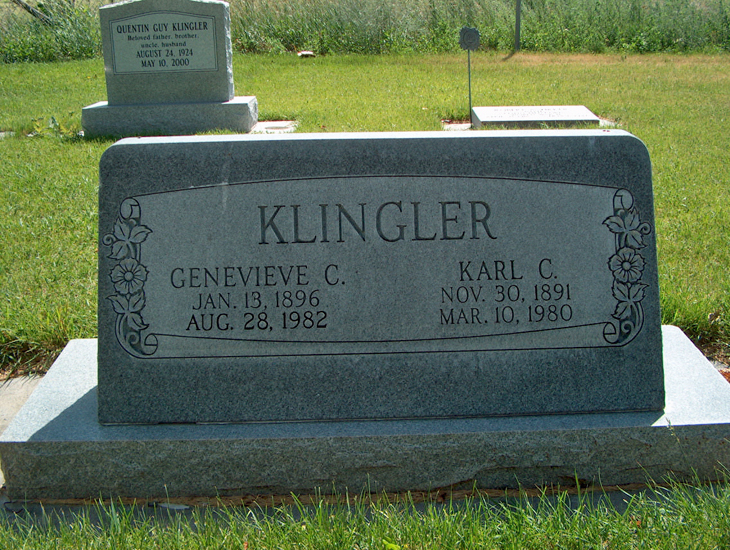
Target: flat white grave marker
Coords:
[[532, 116]]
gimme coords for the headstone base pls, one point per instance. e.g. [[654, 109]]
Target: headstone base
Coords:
[[55, 448], [240, 114]]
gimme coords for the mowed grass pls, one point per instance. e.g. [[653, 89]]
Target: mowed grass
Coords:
[[678, 105], [681, 517]]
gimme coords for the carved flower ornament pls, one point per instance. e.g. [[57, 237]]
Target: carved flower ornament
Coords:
[[629, 298], [628, 228], [128, 309], [128, 276], [626, 265], [125, 238]]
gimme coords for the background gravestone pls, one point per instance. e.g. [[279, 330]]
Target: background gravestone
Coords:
[[533, 116], [168, 68]]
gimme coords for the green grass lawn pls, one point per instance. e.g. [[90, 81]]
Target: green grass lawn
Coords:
[[678, 105], [683, 517]]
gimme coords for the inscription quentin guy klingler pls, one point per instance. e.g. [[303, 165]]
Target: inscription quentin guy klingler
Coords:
[[163, 41]]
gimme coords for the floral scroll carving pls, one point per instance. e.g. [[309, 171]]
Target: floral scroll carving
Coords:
[[128, 276], [627, 267]]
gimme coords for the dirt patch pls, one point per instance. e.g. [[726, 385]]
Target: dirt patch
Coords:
[[35, 362], [532, 59], [716, 351], [442, 495]]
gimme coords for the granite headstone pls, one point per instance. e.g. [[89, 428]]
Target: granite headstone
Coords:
[[377, 276], [427, 297], [168, 68]]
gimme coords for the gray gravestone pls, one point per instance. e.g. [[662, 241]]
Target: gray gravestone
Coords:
[[168, 68], [534, 116], [377, 276], [500, 275]]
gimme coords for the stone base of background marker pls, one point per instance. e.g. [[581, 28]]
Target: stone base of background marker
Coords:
[[240, 114], [55, 448], [533, 117]]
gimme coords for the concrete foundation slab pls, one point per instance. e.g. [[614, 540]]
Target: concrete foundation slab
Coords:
[[240, 114], [55, 448], [13, 395], [15, 392]]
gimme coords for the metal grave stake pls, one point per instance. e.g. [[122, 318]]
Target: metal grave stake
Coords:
[[469, 40]]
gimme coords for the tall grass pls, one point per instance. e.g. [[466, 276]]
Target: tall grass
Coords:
[[380, 26], [67, 30], [366, 26], [627, 25], [396, 26]]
